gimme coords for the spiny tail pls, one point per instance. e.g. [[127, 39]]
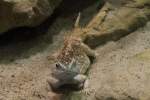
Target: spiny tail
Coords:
[[76, 25], [99, 18]]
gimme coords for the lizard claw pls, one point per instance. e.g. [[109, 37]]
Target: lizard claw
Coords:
[[87, 91]]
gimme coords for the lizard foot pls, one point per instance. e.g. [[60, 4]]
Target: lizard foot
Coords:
[[87, 91]]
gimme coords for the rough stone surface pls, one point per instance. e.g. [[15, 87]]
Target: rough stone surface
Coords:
[[121, 70], [16, 13], [117, 23]]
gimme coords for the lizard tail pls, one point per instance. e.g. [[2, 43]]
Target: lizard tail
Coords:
[[76, 25]]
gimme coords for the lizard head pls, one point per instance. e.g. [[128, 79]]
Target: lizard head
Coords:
[[71, 67], [69, 75]]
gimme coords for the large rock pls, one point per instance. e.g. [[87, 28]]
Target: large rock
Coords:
[[121, 71], [16, 13], [118, 23]]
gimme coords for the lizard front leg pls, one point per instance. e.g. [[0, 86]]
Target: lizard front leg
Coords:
[[89, 51], [54, 83]]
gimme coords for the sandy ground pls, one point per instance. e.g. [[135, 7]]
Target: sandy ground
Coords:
[[24, 67]]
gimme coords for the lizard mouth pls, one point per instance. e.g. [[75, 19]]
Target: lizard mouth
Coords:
[[70, 87], [68, 81]]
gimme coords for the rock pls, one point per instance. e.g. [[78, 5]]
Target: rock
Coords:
[[143, 2], [118, 74], [144, 55], [119, 22], [122, 69], [17, 13]]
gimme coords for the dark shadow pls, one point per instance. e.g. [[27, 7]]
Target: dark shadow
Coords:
[[70, 7], [24, 42], [67, 88], [23, 34], [110, 98]]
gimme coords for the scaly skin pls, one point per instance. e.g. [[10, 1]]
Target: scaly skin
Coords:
[[72, 62]]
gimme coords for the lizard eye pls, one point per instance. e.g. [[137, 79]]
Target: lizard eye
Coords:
[[58, 66]]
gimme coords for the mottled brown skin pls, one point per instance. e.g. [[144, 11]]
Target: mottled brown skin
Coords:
[[75, 49], [72, 62]]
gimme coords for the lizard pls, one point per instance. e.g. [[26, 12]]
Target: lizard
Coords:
[[75, 57], [72, 63]]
